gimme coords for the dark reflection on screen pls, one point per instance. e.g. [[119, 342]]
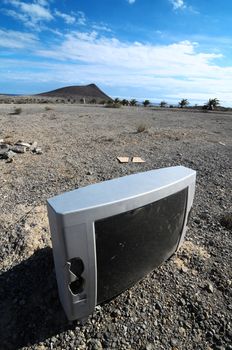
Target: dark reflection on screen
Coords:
[[131, 244]]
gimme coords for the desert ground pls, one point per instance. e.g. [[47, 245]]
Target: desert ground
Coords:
[[185, 303]]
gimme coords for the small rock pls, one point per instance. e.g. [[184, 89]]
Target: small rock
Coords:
[[18, 149], [149, 346], [33, 146], [96, 344], [116, 313], [125, 329], [173, 341], [184, 268], [3, 149], [209, 288], [182, 330], [158, 306], [9, 156], [38, 151]]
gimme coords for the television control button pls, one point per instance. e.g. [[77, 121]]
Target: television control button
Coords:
[[76, 268], [77, 286]]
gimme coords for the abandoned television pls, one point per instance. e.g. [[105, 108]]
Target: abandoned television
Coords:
[[109, 235]]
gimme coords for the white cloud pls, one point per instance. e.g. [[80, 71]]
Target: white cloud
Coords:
[[36, 13], [162, 69], [67, 18], [178, 4], [112, 52], [171, 71], [101, 27], [30, 13], [74, 17], [131, 1], [16, 15], [81, 18], [43, 2], [17, 40]]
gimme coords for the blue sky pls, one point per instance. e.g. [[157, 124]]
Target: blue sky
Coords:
[[160, 50]]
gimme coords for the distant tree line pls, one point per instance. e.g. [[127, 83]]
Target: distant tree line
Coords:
[[211, 104], [183, 103]]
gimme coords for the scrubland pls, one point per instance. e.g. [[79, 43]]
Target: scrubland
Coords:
[[185, 303]]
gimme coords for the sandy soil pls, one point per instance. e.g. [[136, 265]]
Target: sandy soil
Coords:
[[186, 303]]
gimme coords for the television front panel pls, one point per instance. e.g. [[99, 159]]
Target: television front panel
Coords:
[[109, 235]]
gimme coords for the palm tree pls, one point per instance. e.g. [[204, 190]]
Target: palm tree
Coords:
[[125, 102], [146, 103], [163, 104], [212, 103], [116, 100], [183, 103], [133, 102]]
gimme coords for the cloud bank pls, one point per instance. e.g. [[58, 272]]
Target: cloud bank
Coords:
[[85, 51], [169, 71]]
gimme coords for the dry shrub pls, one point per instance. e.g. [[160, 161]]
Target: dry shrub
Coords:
[[141, 128], [17, 110], [113, 105], [226, 221], [188, 248]]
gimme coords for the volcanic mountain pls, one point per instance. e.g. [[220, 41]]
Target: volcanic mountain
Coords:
[[85, 93]]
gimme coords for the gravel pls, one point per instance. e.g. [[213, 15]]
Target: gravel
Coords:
[[184, 304]]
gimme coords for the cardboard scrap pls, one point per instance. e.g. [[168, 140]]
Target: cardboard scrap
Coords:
[[123, 159], [137, 160]]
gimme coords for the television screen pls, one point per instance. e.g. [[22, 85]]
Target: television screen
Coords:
[[109, 235], [131, 244]]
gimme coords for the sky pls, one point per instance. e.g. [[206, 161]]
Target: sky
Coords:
[[143, 49]]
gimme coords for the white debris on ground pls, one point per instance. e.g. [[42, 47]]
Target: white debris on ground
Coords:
[[133, 160], [9, 150]]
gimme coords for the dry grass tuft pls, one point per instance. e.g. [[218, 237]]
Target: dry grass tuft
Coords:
[[188, 248], [141, 128]]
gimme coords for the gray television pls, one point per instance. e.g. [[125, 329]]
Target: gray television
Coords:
[[108, 236]]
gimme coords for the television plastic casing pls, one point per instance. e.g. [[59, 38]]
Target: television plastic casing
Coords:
[[72, 216]]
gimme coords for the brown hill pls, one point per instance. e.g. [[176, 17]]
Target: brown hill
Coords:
[[87, 93]]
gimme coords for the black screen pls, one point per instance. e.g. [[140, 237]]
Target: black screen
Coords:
[[131, 244]]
